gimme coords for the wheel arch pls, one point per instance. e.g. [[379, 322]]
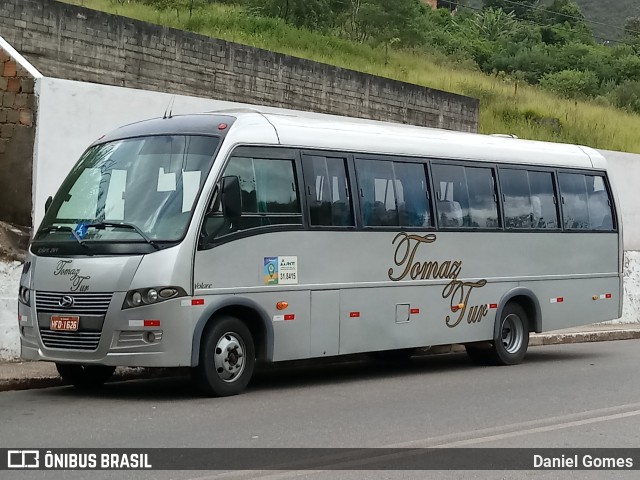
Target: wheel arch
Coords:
[[247, 311], [528, 301]]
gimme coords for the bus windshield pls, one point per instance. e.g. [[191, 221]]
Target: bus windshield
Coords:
[[138, 189]]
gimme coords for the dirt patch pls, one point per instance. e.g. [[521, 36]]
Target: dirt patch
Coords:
[[13, 242]]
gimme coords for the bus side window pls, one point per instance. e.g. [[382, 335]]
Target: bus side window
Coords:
[[452, 197], [529, 199], [466, 198], [600, 214], [327, 190], [377, 189], [575, 211], [393, 193], [483, 208], [413, 198], [543, 200], [521, 209], [269, 193]]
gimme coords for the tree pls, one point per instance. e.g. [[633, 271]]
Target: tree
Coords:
[[382, 21], [494, 24], [311, 14], [521, 9], [571, 83]]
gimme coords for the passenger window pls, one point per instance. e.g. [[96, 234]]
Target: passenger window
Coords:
[[269, 195], [575, 210], [600, 214], [586, 202], [377, 190], [517, 199], [529, 200], [544, 205], [393, 193], [465, 197], [413, 197], [483, 208], [327, 191]]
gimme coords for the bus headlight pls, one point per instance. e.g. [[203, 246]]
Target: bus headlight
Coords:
[[152, 295], [149, 296], [24, 295]]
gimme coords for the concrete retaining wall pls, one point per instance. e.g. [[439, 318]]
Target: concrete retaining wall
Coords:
[[76, 43]]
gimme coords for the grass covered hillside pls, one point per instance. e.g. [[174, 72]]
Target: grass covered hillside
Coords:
[[508, 103]]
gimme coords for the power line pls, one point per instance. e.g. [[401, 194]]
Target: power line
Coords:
[[556, 27], [566, 15]]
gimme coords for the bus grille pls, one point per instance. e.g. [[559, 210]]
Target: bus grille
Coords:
[[70, 340], [83, 303]]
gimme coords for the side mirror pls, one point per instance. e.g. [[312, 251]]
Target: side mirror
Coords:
[[47, 203], [231, 197]]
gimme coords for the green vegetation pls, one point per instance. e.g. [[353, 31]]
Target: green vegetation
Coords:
[[547, 81]]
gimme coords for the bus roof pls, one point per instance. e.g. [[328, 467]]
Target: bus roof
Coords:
[[266, 125]]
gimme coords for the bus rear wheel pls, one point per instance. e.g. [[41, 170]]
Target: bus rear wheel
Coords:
[[227, 358], [84, 376], [511, 342]]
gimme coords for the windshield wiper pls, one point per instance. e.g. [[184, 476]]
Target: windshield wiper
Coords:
[[130, 226], [64, 228]]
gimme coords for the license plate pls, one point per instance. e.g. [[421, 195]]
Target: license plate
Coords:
[[65, 323]]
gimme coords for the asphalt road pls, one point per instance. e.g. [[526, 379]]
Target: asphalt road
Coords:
[[564, 396]]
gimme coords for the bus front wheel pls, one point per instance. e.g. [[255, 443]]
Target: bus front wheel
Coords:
[[227, 358], [84, 376], [511, 342]]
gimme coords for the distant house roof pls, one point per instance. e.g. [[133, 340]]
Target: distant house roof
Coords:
[[450, 4]]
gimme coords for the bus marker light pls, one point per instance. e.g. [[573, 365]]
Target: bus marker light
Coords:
[[222, 126], [493, 305], [354, 314], [282, 305], [289, 316], [604, 296], [414, 311], [557, 300], [197, 301], [152, 323], [455, 308]]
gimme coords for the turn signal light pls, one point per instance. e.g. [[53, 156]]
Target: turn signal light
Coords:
[[282, 305]]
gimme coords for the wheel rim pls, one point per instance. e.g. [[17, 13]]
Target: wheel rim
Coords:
[[512, 333], [229, 357]]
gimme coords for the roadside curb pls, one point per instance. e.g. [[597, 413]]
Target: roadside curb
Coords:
[[122, 374]]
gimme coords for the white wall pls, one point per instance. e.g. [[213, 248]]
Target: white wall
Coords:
[[624, 171], [9, 339]]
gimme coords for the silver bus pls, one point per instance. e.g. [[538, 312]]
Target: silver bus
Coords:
[[215, 240]]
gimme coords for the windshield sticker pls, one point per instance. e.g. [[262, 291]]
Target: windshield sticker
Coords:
[[81, 230], [457, 291], [281, 270]]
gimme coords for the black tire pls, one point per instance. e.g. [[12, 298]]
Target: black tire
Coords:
[[84, 376], [227, 358], [510, 346]]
